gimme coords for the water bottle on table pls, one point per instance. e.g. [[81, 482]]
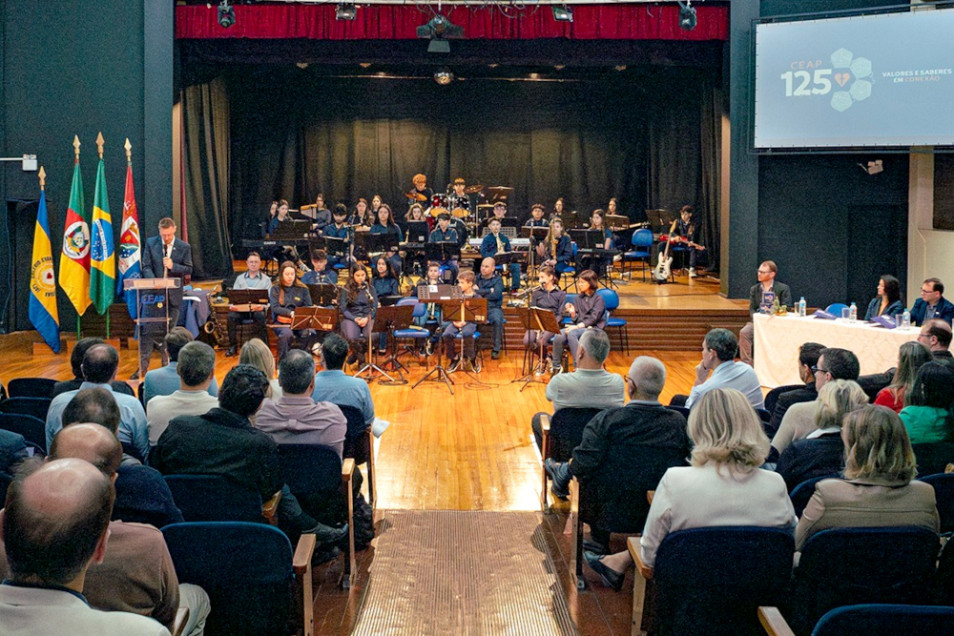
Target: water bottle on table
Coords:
[[853, 312]]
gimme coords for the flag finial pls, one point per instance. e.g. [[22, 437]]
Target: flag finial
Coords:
[[76, 145], [42, 175], [100, 142], [128, 147]]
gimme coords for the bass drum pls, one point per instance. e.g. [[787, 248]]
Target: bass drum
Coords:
[[439, 200], [436, 211], [460, 207]]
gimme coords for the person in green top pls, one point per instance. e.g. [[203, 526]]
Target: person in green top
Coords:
[[927, 411]]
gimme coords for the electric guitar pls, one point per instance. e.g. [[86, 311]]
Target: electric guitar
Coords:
[[661, 272]]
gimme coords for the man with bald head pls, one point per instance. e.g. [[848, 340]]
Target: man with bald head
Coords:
[[490, 286], [936, 335], [624, 453], [55, 527]]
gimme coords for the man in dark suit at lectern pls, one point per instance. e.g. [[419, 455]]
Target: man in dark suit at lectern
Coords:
[[163, 256]]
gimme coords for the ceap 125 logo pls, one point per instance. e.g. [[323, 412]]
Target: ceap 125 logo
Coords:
[[848, 79]]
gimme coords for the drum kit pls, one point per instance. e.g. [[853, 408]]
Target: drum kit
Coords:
[[460, 206]]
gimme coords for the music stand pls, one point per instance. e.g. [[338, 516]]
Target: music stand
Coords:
[[417, 231], [616, 222], [438, 294], [498, 193], [317, 318], [588, 239], [369, 364], [442, 251], [395, 317], [291, 229], [157, 298], [660, 219], [467, 310], [243, 299], [539, 320], [336, 246], [323, 294]]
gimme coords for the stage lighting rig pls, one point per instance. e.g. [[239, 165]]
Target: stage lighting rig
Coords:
[[562, 13], [443, 76], [226, 14], [346, 11], [438, 30], [687, 16]]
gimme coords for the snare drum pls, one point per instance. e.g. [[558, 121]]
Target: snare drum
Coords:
[[439, 200]]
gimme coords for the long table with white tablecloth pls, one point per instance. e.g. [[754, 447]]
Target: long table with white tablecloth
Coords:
[[777, 339]]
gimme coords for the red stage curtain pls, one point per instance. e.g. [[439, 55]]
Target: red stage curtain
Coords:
[[399, 22]]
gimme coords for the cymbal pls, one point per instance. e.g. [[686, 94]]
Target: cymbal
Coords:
[[474, 189], [415, 196]]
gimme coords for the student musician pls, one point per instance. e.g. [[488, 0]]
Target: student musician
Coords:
[[358, 304], [451, 329], [537, 212], [287, 294], [558, 208], [549, 297], [362, 214], [385, 283], [444, 233], [598, 262], [586, 312], [432, 316], [499, 213], [459, 199], [322, 274], [556, 250], [279, 214], [420, 193], [340, 229], [385, 225], [688, 234], [496, 243]]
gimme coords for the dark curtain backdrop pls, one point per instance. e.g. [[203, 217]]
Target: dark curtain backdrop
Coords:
[[205, 109], [635, 137]]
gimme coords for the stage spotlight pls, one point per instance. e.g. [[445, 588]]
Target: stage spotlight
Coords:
[[562, 13], [443, 76], [687, 16], [346, 11], [438, 30], [226, 14]]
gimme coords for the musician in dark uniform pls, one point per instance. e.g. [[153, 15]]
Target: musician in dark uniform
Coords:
[[495, 243], [499, 213], [444, 233], [598, 262], [549, 296], [321, 273], [279, 215], [459, 199], [284, 297], [420, 193], [557, 248], [163, 256], [537, 212], [490, 286], [587, 312], [358, 303], [339, 229], [687, 230], [465, 328]]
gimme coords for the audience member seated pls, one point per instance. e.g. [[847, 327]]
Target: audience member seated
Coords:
[[936, 335], [256, 353], [590, 386], [877, 490], [13, 450], [888, 300], [76, 362], [799, 420], [142, 495], [724, 486], [821, 452], [295, 418], [932, 304], [99, 368], [55, 526], [927, 411], [808, 355], [332, 385], [718, 357], [911, 356], [196, 371], [165, 380], [223, 442], [624, 453], [137, 574]]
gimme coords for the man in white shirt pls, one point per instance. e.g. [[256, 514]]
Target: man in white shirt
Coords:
[[196, 369], [589, 386], [718, 358]]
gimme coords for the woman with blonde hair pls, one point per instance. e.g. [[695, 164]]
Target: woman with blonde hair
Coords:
[[820, 453], [256, 353], [910, 358], [724, 486], [877, 490]]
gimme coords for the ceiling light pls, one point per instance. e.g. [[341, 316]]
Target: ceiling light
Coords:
[[562, 13], [687, 16], [226, 14], [437, 30], [443, 76], [346, 11]]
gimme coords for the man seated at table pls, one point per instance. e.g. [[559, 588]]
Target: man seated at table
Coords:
[[761, 297], [932, 303], [799, 420]]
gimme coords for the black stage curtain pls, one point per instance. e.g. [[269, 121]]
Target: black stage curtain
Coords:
[[205, 109], [638, 137]]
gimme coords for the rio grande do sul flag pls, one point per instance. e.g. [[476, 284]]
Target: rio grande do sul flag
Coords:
[[43, 312], [74, 259]]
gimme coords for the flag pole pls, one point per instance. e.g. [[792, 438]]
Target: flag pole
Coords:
[[100, 142], [79, 317]]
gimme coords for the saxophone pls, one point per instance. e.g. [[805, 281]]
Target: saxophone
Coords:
[[212, 327]]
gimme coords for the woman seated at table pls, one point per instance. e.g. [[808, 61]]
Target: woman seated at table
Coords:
[[910, 358], [287, 294], [724, 486], [550, 297], [358, 304], [888, 301], [385, 225], [588, 311], [877, 490], [927, 410]]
